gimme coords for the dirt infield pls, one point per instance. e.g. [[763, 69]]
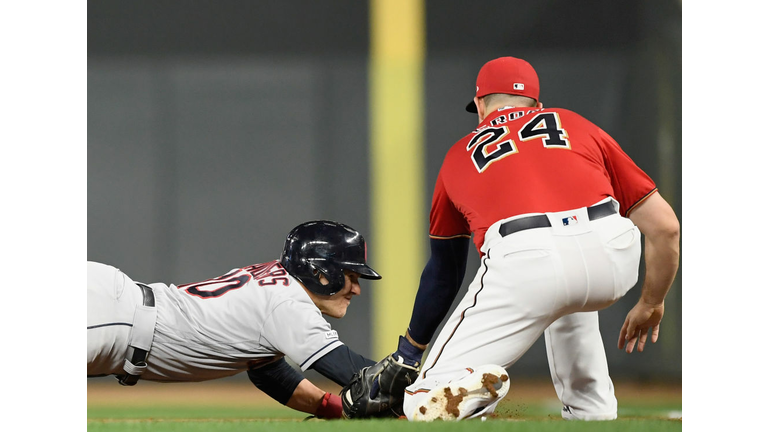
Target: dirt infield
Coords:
[[107, 392]]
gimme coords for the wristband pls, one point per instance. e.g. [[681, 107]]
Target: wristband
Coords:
[[407, 353], [330, 407]]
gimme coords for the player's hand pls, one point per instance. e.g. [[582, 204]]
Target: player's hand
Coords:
[[644, 319], [378, 390], [403, 370]]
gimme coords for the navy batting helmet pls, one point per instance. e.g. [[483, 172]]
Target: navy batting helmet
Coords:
[[328, 248]]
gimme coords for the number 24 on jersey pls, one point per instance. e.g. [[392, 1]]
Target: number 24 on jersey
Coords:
[[494, 143]]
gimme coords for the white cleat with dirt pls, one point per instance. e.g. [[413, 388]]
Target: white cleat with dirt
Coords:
[[475, 395]]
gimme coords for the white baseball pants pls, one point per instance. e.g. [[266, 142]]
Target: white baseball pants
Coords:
[[112, 301], [534, 281]]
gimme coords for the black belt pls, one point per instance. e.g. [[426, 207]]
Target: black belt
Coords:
[[542, 221], [139, 356]]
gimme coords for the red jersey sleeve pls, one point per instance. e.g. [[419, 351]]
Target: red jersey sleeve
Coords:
[[445, 221], [631, 185]]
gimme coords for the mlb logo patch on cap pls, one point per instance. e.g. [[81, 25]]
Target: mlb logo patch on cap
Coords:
[[519, 86]]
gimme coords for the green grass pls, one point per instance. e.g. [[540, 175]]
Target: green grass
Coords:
[[628, 425], [236, 406], [511, 417]]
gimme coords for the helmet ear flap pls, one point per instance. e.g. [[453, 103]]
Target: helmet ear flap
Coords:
[[334, 277]]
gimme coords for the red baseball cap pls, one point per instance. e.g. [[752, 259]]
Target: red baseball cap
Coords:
[[508, 75]]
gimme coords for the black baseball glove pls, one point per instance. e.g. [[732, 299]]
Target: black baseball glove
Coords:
[[378, 390]]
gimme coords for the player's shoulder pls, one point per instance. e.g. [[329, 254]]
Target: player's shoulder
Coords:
[[460, 144], [290, 295], [271, 283], [573, 121], [564, 112]]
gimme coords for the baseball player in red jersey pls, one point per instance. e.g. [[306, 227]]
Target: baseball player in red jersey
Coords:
[[556, 210]]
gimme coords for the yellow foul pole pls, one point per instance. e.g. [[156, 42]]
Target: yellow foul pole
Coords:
[[396, 67]]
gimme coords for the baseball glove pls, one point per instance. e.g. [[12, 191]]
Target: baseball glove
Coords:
[[378, 390]]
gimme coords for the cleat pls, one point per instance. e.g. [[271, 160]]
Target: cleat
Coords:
[[475, 395]]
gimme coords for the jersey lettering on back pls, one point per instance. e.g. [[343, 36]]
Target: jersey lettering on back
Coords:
[[521, 161], [265, 274]]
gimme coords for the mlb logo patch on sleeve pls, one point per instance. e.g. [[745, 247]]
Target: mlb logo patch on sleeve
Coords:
[[331, 335], [570, 220]]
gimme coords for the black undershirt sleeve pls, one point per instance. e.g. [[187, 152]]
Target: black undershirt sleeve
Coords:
[[278, 379], [440, 282], [341, 364]]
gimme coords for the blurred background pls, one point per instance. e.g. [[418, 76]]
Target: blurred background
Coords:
[[215, 127]]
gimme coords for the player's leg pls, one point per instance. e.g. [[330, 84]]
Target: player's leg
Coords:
[[512, 299], [112, 299], [579, 367], [610, 253]]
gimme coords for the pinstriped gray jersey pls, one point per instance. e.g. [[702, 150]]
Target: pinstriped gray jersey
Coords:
[[245, 318]]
